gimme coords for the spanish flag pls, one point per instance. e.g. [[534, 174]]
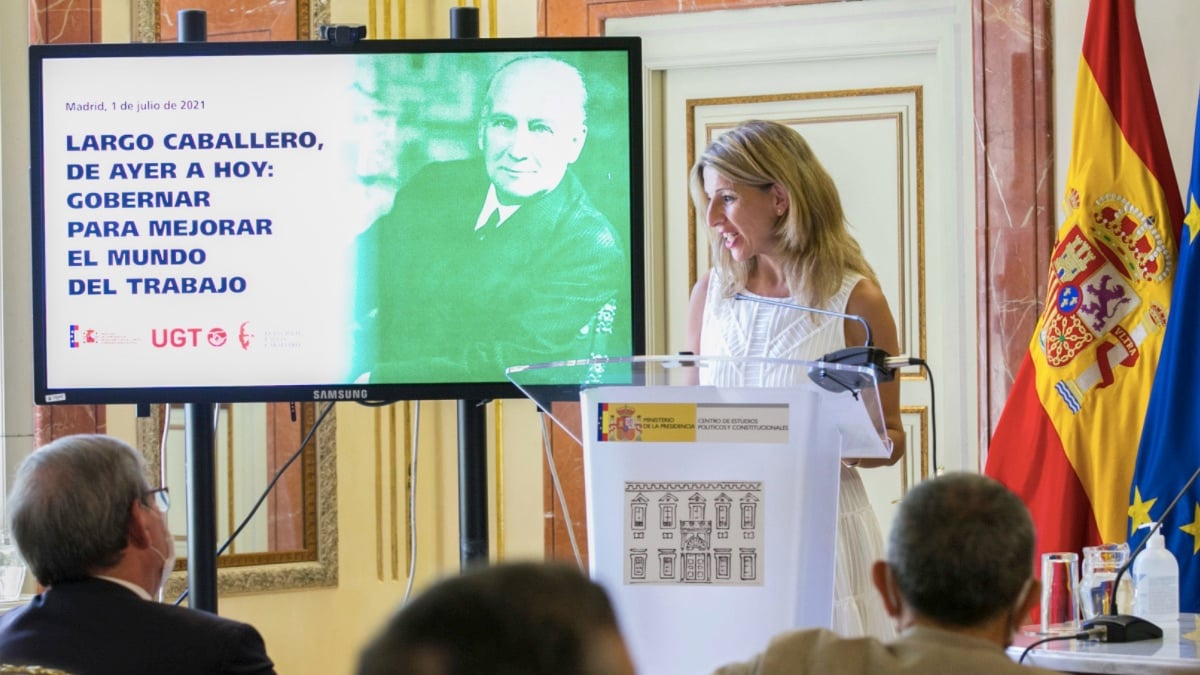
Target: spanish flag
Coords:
[[1068, 437], [1170, 449]]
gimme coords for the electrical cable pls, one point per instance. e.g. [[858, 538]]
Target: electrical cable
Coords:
[[1090, 634], [933, 453], [376, 404], [162, 441], [267, 490], [897, 362], [162, 445], [412, 507], [558, 491]]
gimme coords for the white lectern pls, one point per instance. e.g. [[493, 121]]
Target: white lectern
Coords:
[[711, 509]]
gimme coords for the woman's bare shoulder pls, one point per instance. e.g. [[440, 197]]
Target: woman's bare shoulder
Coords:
[[866, 294]]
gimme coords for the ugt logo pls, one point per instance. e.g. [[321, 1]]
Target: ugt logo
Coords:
[[179, 338]]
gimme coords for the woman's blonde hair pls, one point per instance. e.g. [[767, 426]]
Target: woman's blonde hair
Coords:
[[816, 246]]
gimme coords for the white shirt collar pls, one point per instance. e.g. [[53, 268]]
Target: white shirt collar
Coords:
[[141, 592], [491, 203]]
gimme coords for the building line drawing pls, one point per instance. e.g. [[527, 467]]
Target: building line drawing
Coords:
[[694, 532]]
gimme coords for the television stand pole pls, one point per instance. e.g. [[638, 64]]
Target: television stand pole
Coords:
[[200, 442], [472, 415], [200, 465], [472, 484]]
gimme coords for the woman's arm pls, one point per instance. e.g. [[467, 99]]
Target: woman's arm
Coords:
[[867, 300], [696, 314], [695, 322]]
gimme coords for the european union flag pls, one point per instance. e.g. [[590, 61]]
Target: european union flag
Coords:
[[1169, 452]]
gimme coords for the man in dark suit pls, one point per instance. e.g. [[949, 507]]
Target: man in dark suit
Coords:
[[444, 279], [94, 534]]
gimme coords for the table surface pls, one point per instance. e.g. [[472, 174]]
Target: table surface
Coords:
[[1178, 651]]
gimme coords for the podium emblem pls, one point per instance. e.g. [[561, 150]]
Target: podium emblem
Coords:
[[694, 532], [625, 425]]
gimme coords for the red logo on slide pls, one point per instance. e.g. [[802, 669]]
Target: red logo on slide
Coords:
[[217, 337], [244, 335]]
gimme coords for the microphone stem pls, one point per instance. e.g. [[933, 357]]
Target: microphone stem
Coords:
[[1142, 545], [826, 312]]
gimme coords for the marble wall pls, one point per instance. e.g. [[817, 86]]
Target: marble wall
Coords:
[[63, 21], [242, 21]]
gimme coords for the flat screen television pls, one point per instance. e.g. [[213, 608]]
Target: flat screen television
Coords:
[[291, 221]]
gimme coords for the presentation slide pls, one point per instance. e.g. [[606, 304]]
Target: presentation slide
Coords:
[[270, 220], [195, 231]]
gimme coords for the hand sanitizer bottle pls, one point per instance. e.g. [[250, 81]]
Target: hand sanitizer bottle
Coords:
[[1156, 582]]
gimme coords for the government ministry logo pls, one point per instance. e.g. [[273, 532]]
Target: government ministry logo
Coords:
[[80, 336], [625, 425]]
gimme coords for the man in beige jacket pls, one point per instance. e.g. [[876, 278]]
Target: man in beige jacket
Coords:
[[958, 579]]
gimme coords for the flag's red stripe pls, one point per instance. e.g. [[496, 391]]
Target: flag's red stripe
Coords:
[[1026, 454], [1112, 48]]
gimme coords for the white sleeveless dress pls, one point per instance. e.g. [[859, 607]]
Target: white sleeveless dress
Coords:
[[744, 328]]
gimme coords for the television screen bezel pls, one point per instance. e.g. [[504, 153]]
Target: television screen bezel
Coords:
[[318, 391]]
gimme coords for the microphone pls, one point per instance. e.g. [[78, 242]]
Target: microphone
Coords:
[[1127, 627], [803, 308], [867, 356]]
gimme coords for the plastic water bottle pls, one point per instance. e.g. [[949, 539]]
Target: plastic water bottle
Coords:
[[1156, 582]]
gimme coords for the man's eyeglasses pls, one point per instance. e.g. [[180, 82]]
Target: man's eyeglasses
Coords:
[[162, 499]]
